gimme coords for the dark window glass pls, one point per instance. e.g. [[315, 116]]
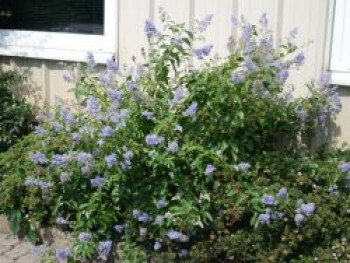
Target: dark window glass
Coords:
[[68, 16]]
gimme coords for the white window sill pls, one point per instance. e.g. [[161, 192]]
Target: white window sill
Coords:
[[340, 78], [54, 54], [64, 46]]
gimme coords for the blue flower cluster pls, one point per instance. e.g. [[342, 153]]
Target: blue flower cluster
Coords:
[[303, 211], [270, 201]]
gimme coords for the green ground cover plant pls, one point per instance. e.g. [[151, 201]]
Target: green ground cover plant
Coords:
[[16, 117]]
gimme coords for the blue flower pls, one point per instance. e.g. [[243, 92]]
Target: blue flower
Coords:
[[106, 79], [106, 131], [111, 160], [68, 77], [40, 130], [84, 237], [131, 85], [293, 33], [179, 95], [153, 139], [38, 251], [277, 216], [264, 218], [344, 168], [150, 29], [31, 182], [250, 46], [119, 117], [84, 158], [173, 234], [247, 33], [104, 248], [299, 59], [268, 200], [191, 110], [141, 216], [157, 245], [112, 65], [87, 129], [238, 76], [266, 43], [282, 193], [64, 177], [161, 204], [119, 228], [209, 170], [45, 185], [249, 64], [61, 221], [86, 170], [65, 116], [243, 167], [148, 115], [184, 253], [202, 51], [325, 78], [159, 220], [90, 59], [58, 159], [127, 155], [172, 147], [299, 219], [203, 24], [114, 94], [93, 105], [234, 20], [38, 158], [283, 75], [62, 254], [263, 20], [97, 182], [76, 137], [308, 209]]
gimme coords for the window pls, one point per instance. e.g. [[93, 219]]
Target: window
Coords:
[[58, 29], [340, 52]]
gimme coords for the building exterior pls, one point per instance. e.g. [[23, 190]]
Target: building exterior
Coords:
[[324, 28]]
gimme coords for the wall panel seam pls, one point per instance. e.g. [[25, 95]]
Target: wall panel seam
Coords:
[[235, 8], [280, 20], [46, 84]]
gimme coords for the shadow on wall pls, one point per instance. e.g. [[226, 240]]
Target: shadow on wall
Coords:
[[341, 128], [23, 87]]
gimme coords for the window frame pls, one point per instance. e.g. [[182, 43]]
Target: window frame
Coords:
[[63, 46], [340, 72]]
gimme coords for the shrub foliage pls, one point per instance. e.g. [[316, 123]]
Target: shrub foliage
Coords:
[[15, 114], [177, 162]]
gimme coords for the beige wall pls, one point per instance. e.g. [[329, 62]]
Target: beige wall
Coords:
[[310, 16]]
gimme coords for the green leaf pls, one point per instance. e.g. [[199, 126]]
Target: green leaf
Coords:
[[15, 221], [32, 234]]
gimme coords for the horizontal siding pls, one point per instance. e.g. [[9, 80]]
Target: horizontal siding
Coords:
[[312, 27]]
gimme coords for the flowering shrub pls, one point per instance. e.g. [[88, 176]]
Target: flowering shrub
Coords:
[[181, 163]]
